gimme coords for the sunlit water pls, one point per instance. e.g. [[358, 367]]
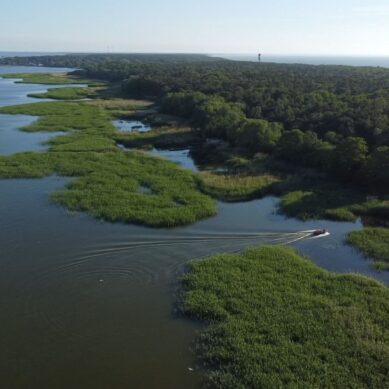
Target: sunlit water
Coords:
[[89, 304]]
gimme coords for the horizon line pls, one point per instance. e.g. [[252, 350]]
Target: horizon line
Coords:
[[200, 53]]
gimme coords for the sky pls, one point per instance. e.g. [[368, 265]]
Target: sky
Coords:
[[310, 27]]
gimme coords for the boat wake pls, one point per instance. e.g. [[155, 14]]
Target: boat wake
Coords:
[[85, 285]]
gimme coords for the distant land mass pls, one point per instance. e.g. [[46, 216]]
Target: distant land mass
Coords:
[[288, 59], [310, 59], [5, 54]]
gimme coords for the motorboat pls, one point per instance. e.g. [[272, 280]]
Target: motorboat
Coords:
[[319, 232]]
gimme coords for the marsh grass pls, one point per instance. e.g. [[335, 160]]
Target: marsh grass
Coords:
[[377, 208], [110, 189], [50, 78], [374, 243], [117, 107], [331, 202], [319, 204], [236, 187], [64, 116], [67, 93], [117, 104], [277, 320], [107, 185], [106, 181]]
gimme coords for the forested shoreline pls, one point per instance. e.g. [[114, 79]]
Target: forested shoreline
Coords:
[[331, 118]]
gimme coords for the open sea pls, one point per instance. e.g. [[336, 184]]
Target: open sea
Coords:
[[310, 60]]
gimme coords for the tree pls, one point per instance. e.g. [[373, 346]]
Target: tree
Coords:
[[258, 135], [350, 157], [182, 104], [216, 118], [291, 145], [377, 169]]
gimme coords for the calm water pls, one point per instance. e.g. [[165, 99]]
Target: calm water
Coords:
[[311, 60], [89, 304], [14, 141], [11, 93]]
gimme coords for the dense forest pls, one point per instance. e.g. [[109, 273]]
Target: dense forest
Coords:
[[333, 118]]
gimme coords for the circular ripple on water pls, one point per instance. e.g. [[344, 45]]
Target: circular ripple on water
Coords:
[[75, 298], [82, 296]]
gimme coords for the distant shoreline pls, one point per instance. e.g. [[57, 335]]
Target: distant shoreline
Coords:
[[309, 59], [375, 61]]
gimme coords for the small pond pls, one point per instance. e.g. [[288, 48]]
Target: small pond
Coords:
[[130, 125]]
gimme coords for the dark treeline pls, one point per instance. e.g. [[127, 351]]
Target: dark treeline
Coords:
[[105, 61], [349, 158], [334, 118]]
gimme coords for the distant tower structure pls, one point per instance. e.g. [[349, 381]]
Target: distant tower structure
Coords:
[[259, 57]]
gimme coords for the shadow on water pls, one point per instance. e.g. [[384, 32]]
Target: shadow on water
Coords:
[[86, 303]]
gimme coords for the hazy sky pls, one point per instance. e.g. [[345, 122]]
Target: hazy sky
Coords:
[[348, 27]]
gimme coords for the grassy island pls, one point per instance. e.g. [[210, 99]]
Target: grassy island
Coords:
[[276, 320]]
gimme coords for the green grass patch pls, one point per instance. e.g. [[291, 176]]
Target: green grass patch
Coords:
[[68, 93], [111, 190], [107, 182], [319, 203], [107, 185], [64, 116], [236, 187], [276, 320], [50, 78], [377, 208], [333, 203], [374, 243], [119, 108]]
